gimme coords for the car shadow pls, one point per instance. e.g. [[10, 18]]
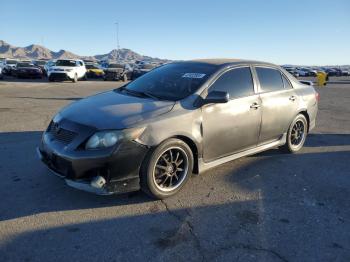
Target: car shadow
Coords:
[[274, 219]]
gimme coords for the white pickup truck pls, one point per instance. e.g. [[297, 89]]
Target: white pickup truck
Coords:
[[67, 69]]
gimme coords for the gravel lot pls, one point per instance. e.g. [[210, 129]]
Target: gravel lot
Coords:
[[267, 207]]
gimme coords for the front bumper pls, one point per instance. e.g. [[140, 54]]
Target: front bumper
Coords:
[[119, 166], [58, 75], [112, 76], [29, 74]]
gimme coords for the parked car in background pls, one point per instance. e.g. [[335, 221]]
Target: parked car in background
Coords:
[[41, 64], [334, 72], [94, 71], [345, 72], [142, 69], [118, 72], [67, 69], [8, 66], [292, 71], [48, 65], [178, 119], [27, 70]]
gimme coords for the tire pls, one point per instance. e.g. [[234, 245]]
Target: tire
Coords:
[[51, 79], [173, 173], [85, 77], [125, 78], [75, 79], [294, 144]]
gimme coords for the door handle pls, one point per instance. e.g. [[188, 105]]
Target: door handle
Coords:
[[293, 98], [255, 105]]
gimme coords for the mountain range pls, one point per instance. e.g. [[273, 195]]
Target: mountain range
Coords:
[[41, 52]]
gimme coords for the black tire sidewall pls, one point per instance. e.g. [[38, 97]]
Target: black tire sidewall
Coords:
[[147, 182]]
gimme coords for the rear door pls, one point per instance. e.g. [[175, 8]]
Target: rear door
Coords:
[[232, 126], [279, 103]]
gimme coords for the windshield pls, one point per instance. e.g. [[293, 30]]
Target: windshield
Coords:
[[115, 66], [92, 67], [11, 62], [24, 65], [40, 62], [173, 81], [65, 63]]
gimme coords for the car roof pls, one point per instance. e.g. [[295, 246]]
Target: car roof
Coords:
[[228, 61]]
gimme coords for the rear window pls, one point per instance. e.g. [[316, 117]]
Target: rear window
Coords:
[[66, 63], [270, 79]]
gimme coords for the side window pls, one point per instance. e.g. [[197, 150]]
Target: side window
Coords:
[[270, 79], [237, 82], [286, 82]]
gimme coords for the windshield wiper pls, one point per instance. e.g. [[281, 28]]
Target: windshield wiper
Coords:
[[139, 93]]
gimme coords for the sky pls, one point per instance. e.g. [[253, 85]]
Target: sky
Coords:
[[308, 32]]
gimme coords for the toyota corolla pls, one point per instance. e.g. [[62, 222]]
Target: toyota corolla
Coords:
[[179, 119]]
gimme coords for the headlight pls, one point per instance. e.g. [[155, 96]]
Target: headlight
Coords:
[[105, 139]]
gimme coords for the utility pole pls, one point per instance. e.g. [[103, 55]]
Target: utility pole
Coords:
[[117, 28]]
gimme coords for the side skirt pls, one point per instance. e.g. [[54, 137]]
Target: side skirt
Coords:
[[203, 166]]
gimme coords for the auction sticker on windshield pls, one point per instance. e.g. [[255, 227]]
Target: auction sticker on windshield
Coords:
[[193, 75]]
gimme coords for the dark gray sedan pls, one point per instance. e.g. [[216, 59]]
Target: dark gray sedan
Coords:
[[178, 119]]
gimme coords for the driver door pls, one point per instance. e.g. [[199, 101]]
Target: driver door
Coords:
[[233, 126]]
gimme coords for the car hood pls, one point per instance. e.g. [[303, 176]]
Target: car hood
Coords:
[[62, 67], [114, 110]]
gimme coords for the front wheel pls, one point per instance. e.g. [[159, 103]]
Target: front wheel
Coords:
[[166, 170], [296, 135], [75, 78]]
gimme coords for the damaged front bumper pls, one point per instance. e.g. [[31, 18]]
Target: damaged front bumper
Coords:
[[100, 174]]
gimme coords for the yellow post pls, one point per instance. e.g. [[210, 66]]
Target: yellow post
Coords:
[[321, 78]]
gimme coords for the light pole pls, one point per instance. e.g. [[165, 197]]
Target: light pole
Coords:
[[117, 28]]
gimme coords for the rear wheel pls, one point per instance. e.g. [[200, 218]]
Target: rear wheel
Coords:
[[75, 78], [296, 135], [166, 170]]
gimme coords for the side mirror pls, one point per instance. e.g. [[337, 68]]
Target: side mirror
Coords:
[[216, 97]]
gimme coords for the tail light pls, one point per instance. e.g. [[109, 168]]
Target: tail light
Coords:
[[317, 96]]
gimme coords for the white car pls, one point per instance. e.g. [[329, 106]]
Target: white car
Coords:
[[48, 65], [67, 69], [1, 76], [8, 65]]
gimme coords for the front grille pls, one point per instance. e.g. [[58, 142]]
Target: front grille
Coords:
[[59, 76], [60, 134]]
